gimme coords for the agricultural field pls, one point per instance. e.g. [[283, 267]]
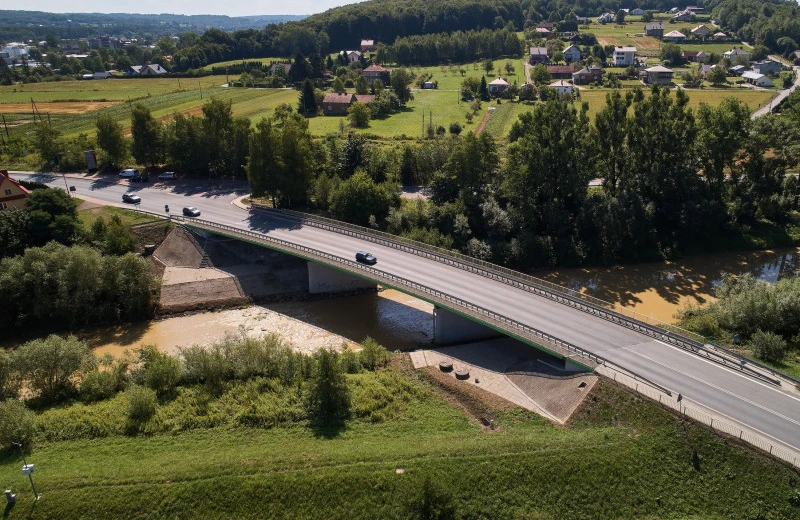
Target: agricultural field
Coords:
[[208, 67]]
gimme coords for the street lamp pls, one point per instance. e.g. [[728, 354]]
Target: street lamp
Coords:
[[27, 469]]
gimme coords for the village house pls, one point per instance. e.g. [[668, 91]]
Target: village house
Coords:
[[735, 53], [738, 70], [659, 75], [336, 104], [759, 80], [560, 71], [637, 11], [720, 36], [623, 56], [153, 69], [367, 46], [12, 193], [276, 66], [675, 37], [656, 29], [374, 72], [767, 67], [538, 55], [351, 56], [497, 87], [583, 20], [561, 87], [550, 26], [694, 56], [572, 54], [701, 31], [684, 16], [605, 18], [542, 32], [588, 75]]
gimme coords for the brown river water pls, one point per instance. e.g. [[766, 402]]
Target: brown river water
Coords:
[[399, 321]]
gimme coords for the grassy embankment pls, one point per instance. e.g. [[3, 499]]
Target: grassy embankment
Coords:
[[621, 458]]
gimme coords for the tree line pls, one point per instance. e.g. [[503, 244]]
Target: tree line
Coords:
[[455, 47], [772, 23]]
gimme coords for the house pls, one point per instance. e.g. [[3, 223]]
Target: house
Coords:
[[562, 87], [767, 67], [659, 75], [542, 32], [334, 104], [572, 54], [12, 193], [538, 55], [374, 72], [738, 70], [587, 75], [605, 18], [720, 36], [701, 30], [759, 80], [623, 56], [97, 75], [152, 69], [694, 56], [497, 87], [695, 9], [655, 30], [277, 66], [683, 16], [797, 55], [705, 69], [583, 20], [367, 46], [561, 71], [675, 37], [637, 11], [547, 25], [735, 53], [351, 56]]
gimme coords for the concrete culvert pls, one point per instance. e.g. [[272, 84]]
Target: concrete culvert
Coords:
[[445, 366], [462, 373]]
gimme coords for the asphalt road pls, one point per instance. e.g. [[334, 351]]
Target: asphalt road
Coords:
[[758, 406]]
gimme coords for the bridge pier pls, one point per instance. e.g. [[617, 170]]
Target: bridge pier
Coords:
[[324, 279], [450, 328]]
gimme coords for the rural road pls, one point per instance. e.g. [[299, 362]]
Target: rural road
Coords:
[[783, 94], [757, 406]]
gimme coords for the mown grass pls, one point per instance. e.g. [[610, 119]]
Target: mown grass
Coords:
[[622, 458], [237, 62], [450, 78], [128, 217]]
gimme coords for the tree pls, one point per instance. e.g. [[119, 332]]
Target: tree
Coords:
[[647, 16], [147, 144], [338, 86], [721, 131], [768, 346], [361, 85], [455, 128], [509, 68], [671, 53], [483, 90], [611, 125], [50, 365], [300, 69], [17, 424], [540, 75], [329, 397], [488, 65], [358, 114], [619, 19], [14, 233], [307, 104], [46, 139], [52, 217], [360, 198], [400, 80], [717, 76], [111, 140], [118, 238]]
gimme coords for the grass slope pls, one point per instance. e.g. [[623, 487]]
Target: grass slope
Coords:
[[621, 458]]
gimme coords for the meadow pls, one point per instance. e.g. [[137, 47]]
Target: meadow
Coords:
[[621, 457]]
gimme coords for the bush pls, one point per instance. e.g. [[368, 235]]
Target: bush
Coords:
[[9, 379], [329, 398], [16, 424], [162, 372], [141, 404], [50, 365], [768, 346], [98, 385], [372, 354]]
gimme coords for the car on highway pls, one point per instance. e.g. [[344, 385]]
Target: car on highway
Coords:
[[131, 198], [167, 176], [190, 211], [140, 178], [366, 258], [129, 172]]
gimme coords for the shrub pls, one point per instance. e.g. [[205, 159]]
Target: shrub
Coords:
[[329, 397], [163, 372], [350, 362], [98, 385], [208, 365], [50, 365], [16, 424], [768, 346], [141, 404], [9, 379], [372, 354], [455, 128]]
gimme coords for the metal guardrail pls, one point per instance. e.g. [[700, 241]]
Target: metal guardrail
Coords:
[[641, 323]]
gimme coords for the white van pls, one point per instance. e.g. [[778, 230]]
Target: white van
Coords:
[[129, 172]]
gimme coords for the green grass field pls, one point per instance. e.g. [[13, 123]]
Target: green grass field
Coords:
[[450, 78], [236, 62], [621, 457], [129, 218]]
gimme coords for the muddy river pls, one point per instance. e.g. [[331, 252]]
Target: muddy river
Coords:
[[399, 321]]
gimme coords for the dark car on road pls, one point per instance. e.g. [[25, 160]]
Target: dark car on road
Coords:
[[131, 197], [366, 258], [189, 211]]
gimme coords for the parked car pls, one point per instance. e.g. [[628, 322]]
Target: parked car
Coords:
[[129, 172], [140, 178], [366, 258], [167, 176], [189, 211], [131, 197]]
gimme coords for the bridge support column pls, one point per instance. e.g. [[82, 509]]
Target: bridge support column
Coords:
[[450, 328], [323, 279]]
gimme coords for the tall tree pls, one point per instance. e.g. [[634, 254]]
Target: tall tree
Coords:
[[262, 165], [307, 105], [111, 140], [400, 80], [147, 145], [611, 124]]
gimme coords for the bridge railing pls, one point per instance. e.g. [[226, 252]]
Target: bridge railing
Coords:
[[642, 323], [640, 384]]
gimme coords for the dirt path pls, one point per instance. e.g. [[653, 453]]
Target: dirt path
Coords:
[[482, 124], [57, 107]]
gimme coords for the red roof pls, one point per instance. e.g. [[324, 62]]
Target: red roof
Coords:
[[364, 98], [6, 177], [376, 68], [338, 98]]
